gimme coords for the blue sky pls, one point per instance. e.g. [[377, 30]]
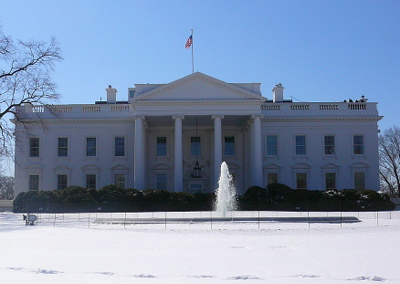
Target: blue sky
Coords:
[[326, 50]]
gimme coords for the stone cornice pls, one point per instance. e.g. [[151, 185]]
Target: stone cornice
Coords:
[[205, 102], [263, 118], [81, 120], [220, 116], [178, 116], [257, 115], [322, 118], [139, 116]]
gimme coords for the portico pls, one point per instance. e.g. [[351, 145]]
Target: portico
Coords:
[[171, 113], [215, 133]]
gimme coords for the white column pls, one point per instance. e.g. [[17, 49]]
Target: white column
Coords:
[[138, 149], [257, 148], [217, 146], [178, 160]]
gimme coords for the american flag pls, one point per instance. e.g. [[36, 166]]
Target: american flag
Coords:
[[189, 42]]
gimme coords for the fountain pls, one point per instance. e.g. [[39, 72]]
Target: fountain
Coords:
[[226, 192]]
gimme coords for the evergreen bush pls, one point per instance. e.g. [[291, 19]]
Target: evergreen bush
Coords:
[[274, 197]]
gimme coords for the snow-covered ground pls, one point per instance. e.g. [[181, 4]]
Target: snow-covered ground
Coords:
[[72, 248]]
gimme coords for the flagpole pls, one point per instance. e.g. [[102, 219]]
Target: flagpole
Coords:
[[192, 53]]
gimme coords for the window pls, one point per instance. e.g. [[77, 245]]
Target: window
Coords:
[[300, 144], [272, 178], [62, 147], [358, 144], [330, 181], [195, 149], [196, 188], [119, 146], [120, 180], [301, 180], [34, 182], [162, 181], [34, 147], [62, 182], [359, 180], [90, 146], [91, 181], [272, 145], [229, 146], [329, 141], [161, 146]]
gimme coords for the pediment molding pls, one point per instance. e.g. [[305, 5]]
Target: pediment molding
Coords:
[[34, 166], [301, 166], [90, 167], [161, 166], [62, 168], [273, 166], [119, 167], [330, 166], [202, 77], [359, 165], [194, 102]]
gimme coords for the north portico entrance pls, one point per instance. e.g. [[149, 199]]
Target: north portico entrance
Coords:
[[196, 122], [172, 145]]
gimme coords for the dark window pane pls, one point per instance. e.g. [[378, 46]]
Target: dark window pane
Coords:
[[119, 146], [230, 146], [90, 146], [161, 146]]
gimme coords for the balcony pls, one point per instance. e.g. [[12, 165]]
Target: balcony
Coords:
[[76, 111], [270, 109]]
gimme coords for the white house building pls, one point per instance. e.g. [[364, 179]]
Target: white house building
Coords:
[[175, 136]]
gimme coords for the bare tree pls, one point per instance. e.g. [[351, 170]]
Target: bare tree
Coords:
[[6, 188], [389, 161], [25, 68]]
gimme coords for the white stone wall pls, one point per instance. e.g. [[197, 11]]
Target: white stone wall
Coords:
[[343, 162], [286, 163], [199, 96], [76, 165]]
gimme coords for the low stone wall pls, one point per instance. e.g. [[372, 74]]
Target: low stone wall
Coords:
[[6, 205]]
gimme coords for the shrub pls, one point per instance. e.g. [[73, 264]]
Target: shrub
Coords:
[[349, 195], [277, 191], [255, 193], [274, 197], [281, 197]]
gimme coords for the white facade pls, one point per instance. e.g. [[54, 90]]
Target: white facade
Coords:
[[155, 140]]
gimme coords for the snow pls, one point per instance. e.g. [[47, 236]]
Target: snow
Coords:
[[73, 248]]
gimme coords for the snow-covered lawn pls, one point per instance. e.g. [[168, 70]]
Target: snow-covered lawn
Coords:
[[72, 248]]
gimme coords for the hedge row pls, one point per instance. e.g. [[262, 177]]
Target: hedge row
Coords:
[[274, 197], [281, 197], [110, 199]]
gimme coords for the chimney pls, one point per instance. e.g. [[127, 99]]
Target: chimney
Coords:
[[111, 95], [277, 93]]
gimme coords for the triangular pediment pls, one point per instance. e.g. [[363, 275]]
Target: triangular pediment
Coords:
[[273, 166], [330, 166], [201, 87]]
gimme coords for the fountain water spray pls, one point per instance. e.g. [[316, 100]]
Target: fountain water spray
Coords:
[[226, 192]]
